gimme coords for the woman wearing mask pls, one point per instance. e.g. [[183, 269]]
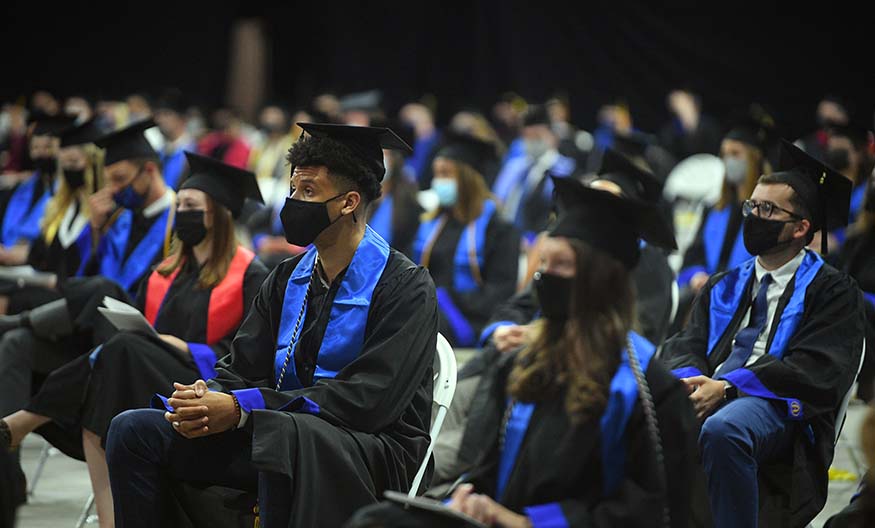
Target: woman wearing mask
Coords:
[[195, 300], [471, 253], [60, 247], [563, 435]]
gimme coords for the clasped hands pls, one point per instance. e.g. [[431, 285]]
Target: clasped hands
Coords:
[[198, 411], [705, 393]]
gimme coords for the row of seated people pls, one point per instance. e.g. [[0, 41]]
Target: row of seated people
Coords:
[[323, 399]]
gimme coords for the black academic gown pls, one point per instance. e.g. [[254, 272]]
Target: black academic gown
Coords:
[[561, 462], [818, 368], [371, 430], [130, 368], [501, 258], [857, 259]]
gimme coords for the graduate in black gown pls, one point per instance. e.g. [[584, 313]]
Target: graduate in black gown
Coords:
[[195, 299], [857, 259], [325, 399], [559, 434], [59, 248], [131, 226], [471, 252], [771, 349], [653, 276]]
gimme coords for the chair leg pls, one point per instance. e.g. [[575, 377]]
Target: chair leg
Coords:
[[84, 516], [44, 455]]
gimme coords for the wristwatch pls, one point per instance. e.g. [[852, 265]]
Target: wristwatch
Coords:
[[730, 392]]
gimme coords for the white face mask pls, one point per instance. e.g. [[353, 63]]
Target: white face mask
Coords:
[[447, 191], [736, 170]]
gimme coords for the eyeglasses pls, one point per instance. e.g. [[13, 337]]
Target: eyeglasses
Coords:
[[766, 209]]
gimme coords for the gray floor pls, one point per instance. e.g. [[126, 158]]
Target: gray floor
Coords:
[[64, 487]]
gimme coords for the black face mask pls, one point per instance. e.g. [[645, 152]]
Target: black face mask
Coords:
[[190, 228], [303, 221], [74, 178], [47, 166], [761, 234], [554, 295], [839, 159]]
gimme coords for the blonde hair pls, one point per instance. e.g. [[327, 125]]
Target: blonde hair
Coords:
[[57, 206]]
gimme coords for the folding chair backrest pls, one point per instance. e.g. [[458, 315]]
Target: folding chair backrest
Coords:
[[843, 409]]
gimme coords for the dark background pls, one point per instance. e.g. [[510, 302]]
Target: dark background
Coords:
[[465, 53]]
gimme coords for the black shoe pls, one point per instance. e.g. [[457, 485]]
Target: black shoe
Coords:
[[19, 486]]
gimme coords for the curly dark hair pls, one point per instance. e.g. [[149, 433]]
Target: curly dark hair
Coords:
[[341, 161]]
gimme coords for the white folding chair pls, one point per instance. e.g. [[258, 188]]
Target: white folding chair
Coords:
[[843, 408], [444, 388]]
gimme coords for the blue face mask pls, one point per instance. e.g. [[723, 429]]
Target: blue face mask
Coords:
[[128, 197], [447, 191]]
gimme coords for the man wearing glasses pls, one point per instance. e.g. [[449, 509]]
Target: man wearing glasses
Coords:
[[771, 348]]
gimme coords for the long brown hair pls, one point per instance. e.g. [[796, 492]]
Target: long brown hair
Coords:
[[472, 193], [580, 355], [757, 165], [224, 245]]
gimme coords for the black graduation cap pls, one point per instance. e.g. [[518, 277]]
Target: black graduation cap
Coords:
[[607, 222], [536, 115], [634, 181], [128, 143], [824, 191], [467, 149], [87, 132], [365, 142], [50, 125], [226, 184], [858, 134], [750, 132]]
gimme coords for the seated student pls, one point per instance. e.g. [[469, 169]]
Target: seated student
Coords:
[[857, 259], [22, 208], [470, 251], [522, 185], [195, 299], [718, 244], [43, 338], [507, 328], [59, 248], [329, 374], [562, 435], [772, 347]]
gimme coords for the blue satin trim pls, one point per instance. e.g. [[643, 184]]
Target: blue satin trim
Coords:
[[714, 233], [138, 263], [381, 221], [173, 165], [344, 336], [515, 432], [204, 358], [548, 515], [21, 221]]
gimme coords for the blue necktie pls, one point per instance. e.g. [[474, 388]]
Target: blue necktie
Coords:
[[748, 335]]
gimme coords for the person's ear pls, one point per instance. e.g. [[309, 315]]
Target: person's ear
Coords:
[[351, 202], [803, 227]]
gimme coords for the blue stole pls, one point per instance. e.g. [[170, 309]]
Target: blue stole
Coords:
[[471, 243], [857, 197], [726, 298], [381, 221], [20, 220], [129, 271], [172, 166], [612, 426], [714, 234], [345, 334]]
